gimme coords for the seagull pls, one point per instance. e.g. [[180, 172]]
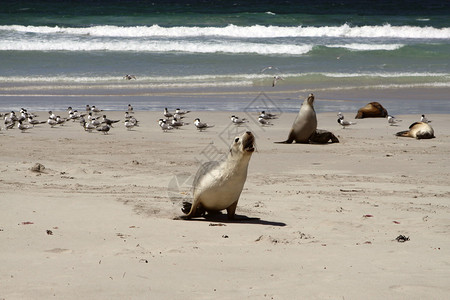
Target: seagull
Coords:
[[129, 124], [60, 120], [52, 115], [104, 129], [164, 126], [267, 116], [34, 121], [177, 123], [392, 120], [88, 108], [131, 119], [345, 123], [424, 119], [51, 122], [95, 122], [269, 68], [130, 109], [275, 79], [201, 126], [108, 121], [23, 127], [129, 77], [181, 112], [237, 120], [167, 114], [95, 109], [178, 116], [88, 126], [264, 122]]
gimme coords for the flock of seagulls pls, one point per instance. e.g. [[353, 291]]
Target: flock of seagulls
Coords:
[[174, 120], [91, 121], [392, 121]]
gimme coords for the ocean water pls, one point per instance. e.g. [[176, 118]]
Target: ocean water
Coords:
[[59, 53]]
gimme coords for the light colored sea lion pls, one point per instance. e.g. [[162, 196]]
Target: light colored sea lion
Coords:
[[218, 185], [304, 129], [418, 130], [372, 110], [305, 123]]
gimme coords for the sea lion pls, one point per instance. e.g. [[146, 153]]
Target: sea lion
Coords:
[[418, 130], [304, 129], [305, 123], [372, 110], [218, 185]]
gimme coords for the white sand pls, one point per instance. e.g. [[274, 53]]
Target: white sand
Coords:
[[105, 198]]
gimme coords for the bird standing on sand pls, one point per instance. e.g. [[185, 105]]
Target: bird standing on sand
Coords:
[[200, 125], [129, 124], [104, 129], [108, 121], [130, 109], [167, 114], [238, 121], [424, 119], [51, 122], [164, 126], [264, 122], [392, 120], [344, 123], [267, 116], [181, 112], [23, 127]]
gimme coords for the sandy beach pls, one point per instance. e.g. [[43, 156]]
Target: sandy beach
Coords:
[[98, 221]]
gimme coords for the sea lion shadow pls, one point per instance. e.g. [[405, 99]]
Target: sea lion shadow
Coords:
[[238, 219]]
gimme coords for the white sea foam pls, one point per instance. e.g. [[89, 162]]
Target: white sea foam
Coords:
[[255, 31], [157, 46], [234, 79], [367, 47]]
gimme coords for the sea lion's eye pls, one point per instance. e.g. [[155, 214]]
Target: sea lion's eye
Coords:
[[236, 140]]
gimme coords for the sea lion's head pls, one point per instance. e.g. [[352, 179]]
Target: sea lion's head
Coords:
[[244, 144], [310, 99]]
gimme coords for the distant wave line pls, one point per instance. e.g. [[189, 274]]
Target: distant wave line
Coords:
[[204, 79], [254, 31]]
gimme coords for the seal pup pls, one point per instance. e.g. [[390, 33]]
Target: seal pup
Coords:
[[305, 123], [418, 130], [372, 110], [218, 185]]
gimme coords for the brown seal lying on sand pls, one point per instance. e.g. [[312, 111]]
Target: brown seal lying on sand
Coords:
[[372, 110]]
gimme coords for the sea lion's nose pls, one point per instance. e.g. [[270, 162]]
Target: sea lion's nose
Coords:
[[249, 132]]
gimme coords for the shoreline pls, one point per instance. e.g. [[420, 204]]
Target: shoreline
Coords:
[[396, 100]]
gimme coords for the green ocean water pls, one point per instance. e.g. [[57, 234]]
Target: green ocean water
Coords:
[[325, 45]]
